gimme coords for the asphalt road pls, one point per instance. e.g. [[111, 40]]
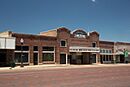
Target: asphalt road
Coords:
[[77, 77]]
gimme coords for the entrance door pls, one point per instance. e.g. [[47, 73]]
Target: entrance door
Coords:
[[93, 59], [2, 59], [79, 59], [35, 58], [62, 58], [122, 59]]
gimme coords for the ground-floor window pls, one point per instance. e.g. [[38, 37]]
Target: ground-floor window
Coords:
[[18, 57], [106, 57], [48, 57]]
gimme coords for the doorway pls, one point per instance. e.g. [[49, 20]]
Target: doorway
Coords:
[[93, 58], [35, 58], [62, 58], [2, 59], [122, 59]]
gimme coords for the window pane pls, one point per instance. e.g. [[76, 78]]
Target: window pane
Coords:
[[103, 58], [25, 57], [63, 43], [106, 51], [48, 49], [103, 51], [35, 48], [110, 51], [93, 44], [18, 57], [18, 48], [107, 59], [25, 48], [48, 56]]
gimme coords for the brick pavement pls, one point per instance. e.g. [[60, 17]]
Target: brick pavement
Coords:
[[105, 76]]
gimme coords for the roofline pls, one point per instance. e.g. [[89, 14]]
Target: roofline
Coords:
[[32, 35]]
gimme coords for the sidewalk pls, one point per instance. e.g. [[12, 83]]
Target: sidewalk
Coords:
[[58, 66]]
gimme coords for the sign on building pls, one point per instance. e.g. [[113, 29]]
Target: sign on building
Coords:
[[7, 43]]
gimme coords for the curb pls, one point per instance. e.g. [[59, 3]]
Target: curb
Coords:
[[58, 66]]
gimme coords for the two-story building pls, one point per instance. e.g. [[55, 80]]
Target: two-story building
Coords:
[[58, 46]]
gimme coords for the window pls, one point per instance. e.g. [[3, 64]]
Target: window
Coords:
[[48, 56], [35, 48], [47, 48], [80, 34], [18, 57], [107, 59], [94, 44], [110, 51], [103, 51], [25, 48], [107, 51], [18, 48], [103, 58], [63, 43]]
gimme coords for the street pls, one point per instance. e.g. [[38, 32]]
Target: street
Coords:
[[77, 77]]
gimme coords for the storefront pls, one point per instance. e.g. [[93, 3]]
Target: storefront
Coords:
[[7, 46], [83, 55], [60, 46]]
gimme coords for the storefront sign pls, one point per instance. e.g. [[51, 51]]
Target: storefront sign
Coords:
[[7, 43], [84, 49], [126, 53]]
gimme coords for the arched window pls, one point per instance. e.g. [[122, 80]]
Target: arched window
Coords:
[[80, 34]]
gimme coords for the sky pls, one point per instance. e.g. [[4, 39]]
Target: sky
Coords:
[[111, 18]]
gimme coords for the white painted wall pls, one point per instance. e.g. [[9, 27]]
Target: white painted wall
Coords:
[[7, 43]]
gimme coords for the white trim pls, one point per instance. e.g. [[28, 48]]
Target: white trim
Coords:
[[48, 51], [66, 58], [54, 55], [35, 51], [21, 51], [23, 63]]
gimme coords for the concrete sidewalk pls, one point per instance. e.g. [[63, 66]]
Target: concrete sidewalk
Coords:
[[58, 66]]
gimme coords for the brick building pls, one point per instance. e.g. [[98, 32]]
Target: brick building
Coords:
[[60, 46]]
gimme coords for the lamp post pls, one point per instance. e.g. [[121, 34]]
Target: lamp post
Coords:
[[21, 41]]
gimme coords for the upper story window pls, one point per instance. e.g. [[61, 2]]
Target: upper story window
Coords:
[[80, 35], [110, 51], [35, 48], [63, 43], [46, 48], [94, 44], [105, 51], [24, 48]]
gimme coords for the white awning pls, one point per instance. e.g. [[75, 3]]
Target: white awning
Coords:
[[7, 42]]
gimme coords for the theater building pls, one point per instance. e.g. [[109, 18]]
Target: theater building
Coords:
[[59, 46]]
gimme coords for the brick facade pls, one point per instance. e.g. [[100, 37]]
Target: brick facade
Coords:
[[80, 47]]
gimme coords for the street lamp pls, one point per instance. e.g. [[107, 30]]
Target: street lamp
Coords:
[[21, 41]]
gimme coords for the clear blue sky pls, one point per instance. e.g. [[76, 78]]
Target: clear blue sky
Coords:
[[111, 18]]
